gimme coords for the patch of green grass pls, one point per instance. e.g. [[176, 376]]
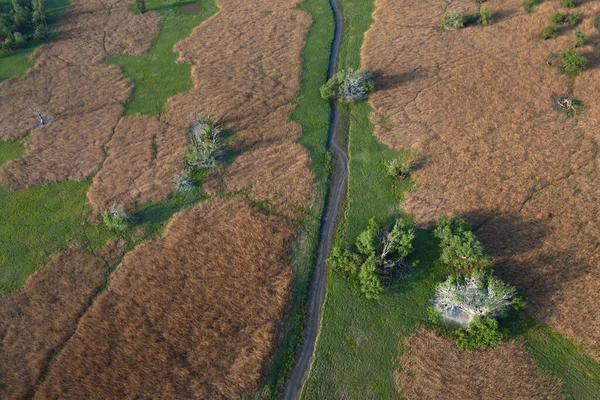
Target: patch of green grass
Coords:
[[10, 150], [17, 62], [360, 340], [313, 114], [156, 74]]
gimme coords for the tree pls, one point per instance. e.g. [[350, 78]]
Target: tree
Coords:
[[573, 62], [453, 20], [39, 20], [482, 333], [369, 278], [348, 85], [116, 219], [579, 39], [462, 299], [206, 140], [461, 252], [141, 6]]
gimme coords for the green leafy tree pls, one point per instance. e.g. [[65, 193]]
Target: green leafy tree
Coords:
[[348, 85], [116, 219], [579, 39], [481, 334], [461, 252], [485, 16], [141, 6], [573, 62], [453, 20], [368, 241], [369, 278]]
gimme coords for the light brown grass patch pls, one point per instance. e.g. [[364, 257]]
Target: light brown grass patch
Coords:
[[214, 289], [39, 319], [434, 368], [477, 104], [70, 83]]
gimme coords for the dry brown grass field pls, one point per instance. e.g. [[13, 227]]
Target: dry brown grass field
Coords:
[[193, 314], [38, 320], [195, 311], [434, 368], [477, 105]]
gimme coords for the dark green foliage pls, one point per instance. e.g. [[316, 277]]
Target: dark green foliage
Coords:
[[141, 6], [557, 17], [568, 3], [550, 31], [573, 62], [579, 39], [376, 254], [481, 334], [572, 19], [460, 250], [21, 21]]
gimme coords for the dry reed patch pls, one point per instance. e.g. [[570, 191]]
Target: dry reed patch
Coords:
[[214, 289], [116, 353], [477, 104], [39, 319], [434, 368], [70, 84], [144, 155]]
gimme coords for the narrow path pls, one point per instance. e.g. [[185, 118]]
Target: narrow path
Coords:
[[328, 227]]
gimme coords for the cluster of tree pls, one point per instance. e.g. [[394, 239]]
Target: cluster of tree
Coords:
[[472, 296], [375, 257], [20, 21], [348, 85], [116, 219], [453, 19]]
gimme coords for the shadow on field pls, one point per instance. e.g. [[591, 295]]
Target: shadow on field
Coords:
[[385, 82]]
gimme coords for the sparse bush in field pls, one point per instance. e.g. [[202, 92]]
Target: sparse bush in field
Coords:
[[116, 219], [141, 6], [482, 334], [376, 255], [461, 252], [348, 85], [530, 5], [453, 20], [568, 105], [399, 167], [485, 16], [557, 17], [183, 182], [568, 3], [550, 31], [206, 140], [572, 19], [462, 299], [579, 39], [572, 62]]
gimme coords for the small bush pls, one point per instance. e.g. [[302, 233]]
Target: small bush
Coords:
[[568, 105], [565, 19], [572, 62], [485, 16], [206, 141], [531, 4], [116, 219], [348, 85], [453, 20], [572, 20], [557, 17], [550, 31], [141, 6], [579, 39], [482, 334], [568, 3], [461, 252], [399, 167], [183, 182]]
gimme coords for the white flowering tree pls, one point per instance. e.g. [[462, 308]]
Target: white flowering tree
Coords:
[[478, 295]]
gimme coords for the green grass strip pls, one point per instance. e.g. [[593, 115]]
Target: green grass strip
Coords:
[[156, 74]]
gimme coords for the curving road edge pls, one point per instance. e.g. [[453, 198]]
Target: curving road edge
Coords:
[[328, 226]]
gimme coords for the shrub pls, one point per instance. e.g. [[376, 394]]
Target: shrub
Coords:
[[568, 105], [141, 6], [453, 20], [485, 16], [572, 19], [579, 39], [369, 278], [572, 62], [566, 19], [348, 85], [550, 31], [482, 333], [557, 17], [462, 299], [399, 167], [116, 219], [461, 252], [568, 3], [183, 182], [206, 140]]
